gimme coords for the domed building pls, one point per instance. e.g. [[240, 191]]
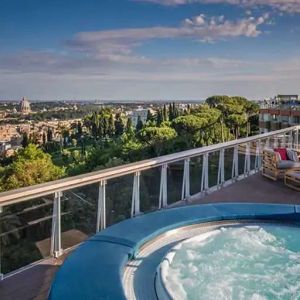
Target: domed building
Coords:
[[25, 106]]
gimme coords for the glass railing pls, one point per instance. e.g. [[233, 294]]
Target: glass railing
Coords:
[[45, 220]]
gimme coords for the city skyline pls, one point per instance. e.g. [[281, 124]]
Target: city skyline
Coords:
[[149, 49]]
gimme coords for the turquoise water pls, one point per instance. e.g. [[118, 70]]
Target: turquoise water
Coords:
[[251, 262]]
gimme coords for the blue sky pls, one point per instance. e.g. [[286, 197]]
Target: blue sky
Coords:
[[148, 49]]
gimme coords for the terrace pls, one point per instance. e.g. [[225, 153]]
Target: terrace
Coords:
[[42, 224]]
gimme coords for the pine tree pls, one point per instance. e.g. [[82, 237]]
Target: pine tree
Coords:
[[139, 124]]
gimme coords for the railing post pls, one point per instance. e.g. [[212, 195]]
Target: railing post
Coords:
[[185, 193], [1, 274], [235, 163], [101, 207], [204, 178], [275, 144], [163, 190], [247, 160], [135, 204], [290, 139], [221, 176], [56, 249], [267, 144], [283, 142], [296, 139], [257, 164]]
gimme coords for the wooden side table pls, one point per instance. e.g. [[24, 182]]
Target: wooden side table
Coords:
[[292, 179]]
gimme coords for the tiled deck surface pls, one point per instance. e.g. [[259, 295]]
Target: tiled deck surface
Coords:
[[255, 188], [34, 283]]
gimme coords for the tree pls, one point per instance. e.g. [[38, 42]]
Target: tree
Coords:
[[30, 166], [158, 138], [165, 113], [159, 118], [129, 127], [111, 126], [149, 116], [119, 125], [25, 140], [49, 135], [44, 138], [171, 113], [139, 124], [79, 129]]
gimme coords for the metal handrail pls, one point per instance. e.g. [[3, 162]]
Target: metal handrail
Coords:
[[39, 190]]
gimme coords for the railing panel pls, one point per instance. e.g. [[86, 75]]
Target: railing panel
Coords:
[[213, 167], [118, 199], [175, 178], [195, 174], [25, 233], [241, 158], [78, 214], [149, 189], [228, 163]]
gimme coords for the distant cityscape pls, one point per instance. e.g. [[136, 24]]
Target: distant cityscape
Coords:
[[36, 119]]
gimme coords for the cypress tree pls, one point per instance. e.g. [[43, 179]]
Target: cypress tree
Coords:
[[79, 129], [44, 138], [171, 114], [119, 125], [111, 125], [129, 128], [159, 118], [25, 140], [49, 135], [149, 116], [165, 115], [139, 124]]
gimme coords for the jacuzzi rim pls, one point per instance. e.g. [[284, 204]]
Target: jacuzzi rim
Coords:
[[161, 289]]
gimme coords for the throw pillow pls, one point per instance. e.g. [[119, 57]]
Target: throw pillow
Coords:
[[282, 152], [292, 155]]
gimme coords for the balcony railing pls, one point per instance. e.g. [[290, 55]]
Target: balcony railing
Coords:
[[46, 219]]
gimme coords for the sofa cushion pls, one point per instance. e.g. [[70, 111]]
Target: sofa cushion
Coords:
[[288, 164], [292, 155], [282, 152]]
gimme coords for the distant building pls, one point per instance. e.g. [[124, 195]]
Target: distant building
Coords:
[[279, 112], [138, 113], [2, 114], [25, 106], [4, 146]]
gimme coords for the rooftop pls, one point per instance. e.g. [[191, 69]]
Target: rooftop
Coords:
[[228, 182]]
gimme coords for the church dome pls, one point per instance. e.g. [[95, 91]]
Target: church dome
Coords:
[[25, 106]]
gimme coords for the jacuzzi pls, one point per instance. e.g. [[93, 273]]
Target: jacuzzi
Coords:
[[190, 252]]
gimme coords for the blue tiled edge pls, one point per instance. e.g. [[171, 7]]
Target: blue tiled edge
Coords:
[[94, 270]]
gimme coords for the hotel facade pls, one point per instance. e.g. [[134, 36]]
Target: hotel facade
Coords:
[[279, 112]]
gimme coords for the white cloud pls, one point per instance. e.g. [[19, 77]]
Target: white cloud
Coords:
[[291, 6], [118, 45]]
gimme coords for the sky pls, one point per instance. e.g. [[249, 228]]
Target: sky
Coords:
[[148, 49]]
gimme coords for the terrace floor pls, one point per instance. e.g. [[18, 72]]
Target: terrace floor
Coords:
[[34, 283], [255, 188]]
